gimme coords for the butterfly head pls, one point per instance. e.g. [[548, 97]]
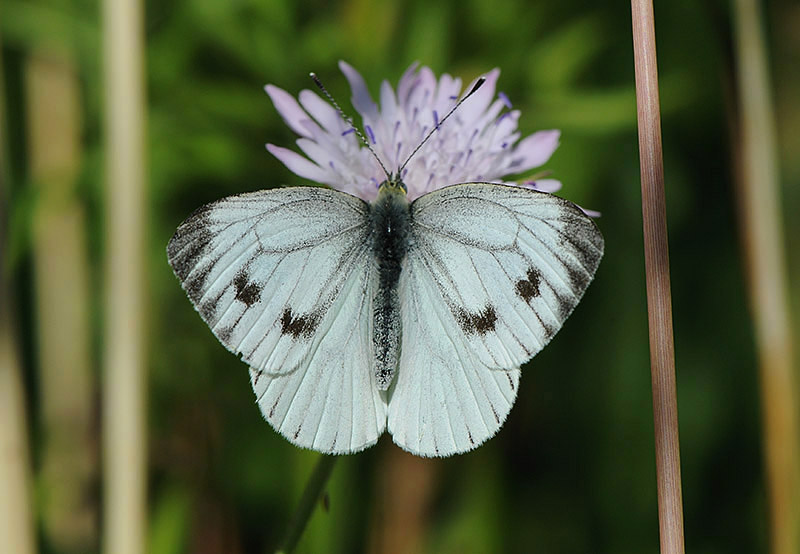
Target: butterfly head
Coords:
[[393, 185]]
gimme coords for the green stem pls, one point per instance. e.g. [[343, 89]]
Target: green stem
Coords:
[[311, 495]]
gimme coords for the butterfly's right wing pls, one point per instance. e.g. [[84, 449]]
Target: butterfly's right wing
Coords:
[[284, 278]]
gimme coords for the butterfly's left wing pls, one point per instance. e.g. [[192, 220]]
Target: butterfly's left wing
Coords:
[[284, 277], [491, 274]]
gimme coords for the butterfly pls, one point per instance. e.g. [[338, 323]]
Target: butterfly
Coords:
[[414, 318]]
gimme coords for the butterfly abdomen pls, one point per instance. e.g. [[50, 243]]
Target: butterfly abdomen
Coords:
[[390, 226]]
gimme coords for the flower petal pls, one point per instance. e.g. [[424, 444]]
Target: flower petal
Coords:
[[298, 164], [288, 108], [536, 149], [325, 114], [474, 108], [407, 83], [361, 99], [543, 185]]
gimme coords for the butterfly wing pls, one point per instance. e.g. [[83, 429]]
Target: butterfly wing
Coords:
[[332, 403], [491, 274], [283, 277]]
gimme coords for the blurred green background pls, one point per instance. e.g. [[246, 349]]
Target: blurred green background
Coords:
[[573, 468]]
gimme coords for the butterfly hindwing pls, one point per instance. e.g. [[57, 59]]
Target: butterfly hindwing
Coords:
[[332, 403], [444, 400]]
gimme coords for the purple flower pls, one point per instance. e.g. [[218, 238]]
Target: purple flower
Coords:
[[479, 142]]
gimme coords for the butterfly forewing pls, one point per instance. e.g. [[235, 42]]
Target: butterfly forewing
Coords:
[[263, 269], [510, 264]]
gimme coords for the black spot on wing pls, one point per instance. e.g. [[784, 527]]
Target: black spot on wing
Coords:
[[247, 292], [208, 310], [578, 277], [224, 334], [581, 237], [481, 323], [528, 288], [302, 326]]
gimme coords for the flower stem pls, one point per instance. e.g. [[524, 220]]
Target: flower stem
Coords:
[[311, 495], [659, 303], [761, 229]]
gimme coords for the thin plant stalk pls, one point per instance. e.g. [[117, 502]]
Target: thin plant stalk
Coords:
[[124, 420], [16, 504], [311, 496], [765, 262], [61, 285], [403, 502], [659, 302]]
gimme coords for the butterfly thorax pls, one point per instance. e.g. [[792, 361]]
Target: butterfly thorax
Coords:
[[390, 225]]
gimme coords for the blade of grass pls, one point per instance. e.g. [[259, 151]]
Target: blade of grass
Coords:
[[124, 420], [659, 302], [16, 505], [761, 231], [61, 283], [311, 495]]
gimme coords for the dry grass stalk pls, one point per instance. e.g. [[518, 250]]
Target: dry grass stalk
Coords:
[[765, 262], [124, 403], [659, 302]]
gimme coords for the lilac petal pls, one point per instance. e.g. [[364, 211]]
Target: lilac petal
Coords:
[[536, 149], [406, 83], [591, 213], [421, 92], [473, 109], [361, 99], [325, 114], [507, 124], [447, 89], [323, 155], [543, 185], [388, 102], [298, 164], [288, 108]]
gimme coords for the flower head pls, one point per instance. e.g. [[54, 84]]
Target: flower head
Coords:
[[479, 142]]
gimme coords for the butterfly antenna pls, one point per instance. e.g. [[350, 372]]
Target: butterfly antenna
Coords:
[[474, 89], [349, 121]]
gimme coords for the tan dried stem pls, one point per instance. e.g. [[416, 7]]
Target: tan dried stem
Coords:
[[765, 262], [124, 394], [659, 302], [62, 291], [16, 504]]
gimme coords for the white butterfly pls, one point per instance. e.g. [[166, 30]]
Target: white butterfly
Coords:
[[356, 318]]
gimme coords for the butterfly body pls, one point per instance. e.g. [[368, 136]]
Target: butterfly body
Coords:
[[390, 226], [407, 317]]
